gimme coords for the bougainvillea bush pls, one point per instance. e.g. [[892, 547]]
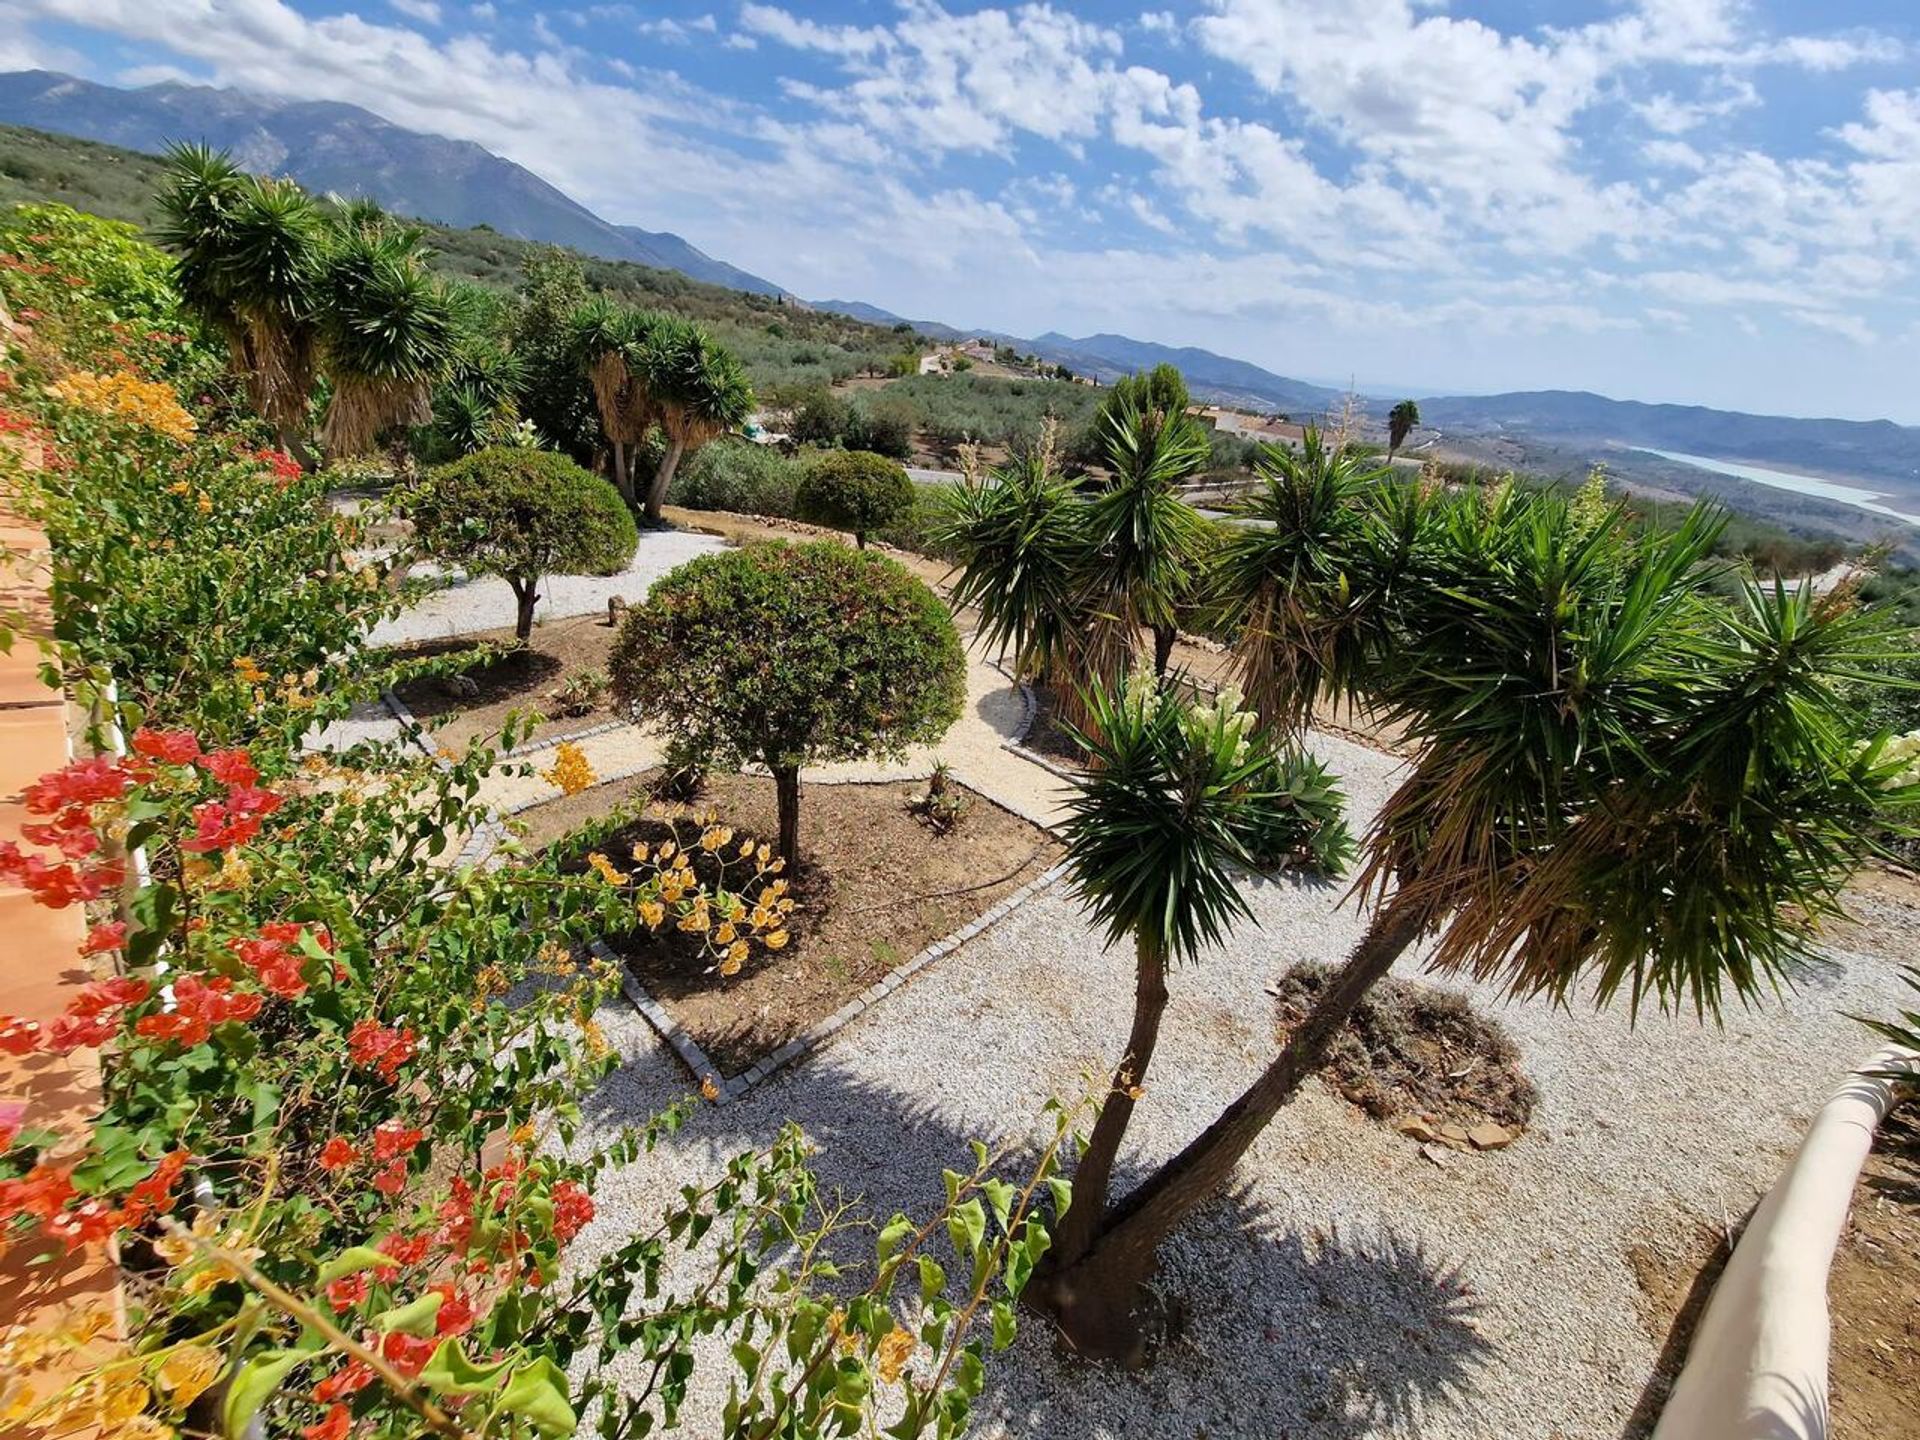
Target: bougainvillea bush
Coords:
[[338, 1154]]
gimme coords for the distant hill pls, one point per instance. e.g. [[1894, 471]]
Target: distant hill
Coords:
[[1862, 450], [1216, 377], [346, 150]]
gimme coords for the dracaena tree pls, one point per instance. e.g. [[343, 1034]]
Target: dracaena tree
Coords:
[[609, 343], [1400, 422], [1622, 783], [1069, 584], [698, 390], [387, 330], [1178, 800], [249, 259]]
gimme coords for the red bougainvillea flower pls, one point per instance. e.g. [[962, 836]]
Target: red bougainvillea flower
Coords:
[[41, 1192], [380, 1047], [349, 1379], [231, 767], [455, 1315], [85, 782], [405, 1249], [408, 1353], [278, 968], [392, 1138], [108, 936], [88, 1223], [17, 1036], [338, 1153], [393, 1179], [224, 824], [338, 1422], [198, 1006], [572, 1209], [348, 1291], [154, 1195], [56, 886], [171, 747]]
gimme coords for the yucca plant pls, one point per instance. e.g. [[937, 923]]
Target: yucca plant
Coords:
[[1307, 583], [248, 258], [1621, 783], [609, 343], [387, 330], [1018, 533], [698, 390], [1177, 801]]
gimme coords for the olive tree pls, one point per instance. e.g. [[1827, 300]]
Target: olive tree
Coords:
[[792, 655], [521, 514], [854, 490]]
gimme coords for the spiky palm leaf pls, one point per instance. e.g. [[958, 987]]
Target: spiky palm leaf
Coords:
[[248, 257], [698, 390], [609, 343], [1307, 581], [389, 334], [1020, 542]]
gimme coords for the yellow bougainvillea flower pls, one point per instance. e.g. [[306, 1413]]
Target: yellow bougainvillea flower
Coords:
[[604, 868], [894, 1352], [708, 1089], [187, 1372], [570, 770], [123, 395], [144, 1427], [654, 913], [775, 941], [122, 1402], [639, 852]]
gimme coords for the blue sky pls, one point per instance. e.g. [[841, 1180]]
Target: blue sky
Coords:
[[1702, 201]]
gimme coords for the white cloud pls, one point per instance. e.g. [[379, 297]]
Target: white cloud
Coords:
[[425, 11]]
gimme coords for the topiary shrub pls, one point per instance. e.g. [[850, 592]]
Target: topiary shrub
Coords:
[[854, 490], [522, 514], [788, 656]]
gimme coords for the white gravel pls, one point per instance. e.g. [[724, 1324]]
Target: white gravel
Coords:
[[487, 604], [1349, 1287]]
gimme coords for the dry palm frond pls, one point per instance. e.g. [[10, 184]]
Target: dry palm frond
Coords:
[[363, 407]]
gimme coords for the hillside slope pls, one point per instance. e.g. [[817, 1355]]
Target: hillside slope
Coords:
[[345, 150]]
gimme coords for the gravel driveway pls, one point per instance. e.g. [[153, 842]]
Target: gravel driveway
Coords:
[[470, 605], [1350, 1287]]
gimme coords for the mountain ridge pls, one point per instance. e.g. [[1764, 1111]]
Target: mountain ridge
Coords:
[[330, 146]]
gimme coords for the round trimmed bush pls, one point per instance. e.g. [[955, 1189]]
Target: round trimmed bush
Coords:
[[788, 656], [522, 514], [854, 490]]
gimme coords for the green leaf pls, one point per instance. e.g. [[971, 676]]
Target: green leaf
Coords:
[[1003, 1325], [413, 1318], [1000, 1197], [450, 1372], [933, 1279], [967, 1227], [537, 1392], [898, 1231], [253, 1385], [351, 1261]]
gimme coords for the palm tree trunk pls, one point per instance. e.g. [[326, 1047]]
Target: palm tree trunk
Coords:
[[786, 792], [1093, 1176], [657, 493], [622, 481], [1163, 638], [1102, 1289]]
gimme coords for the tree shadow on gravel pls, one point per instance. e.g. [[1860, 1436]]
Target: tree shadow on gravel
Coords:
[[1280, 1328]]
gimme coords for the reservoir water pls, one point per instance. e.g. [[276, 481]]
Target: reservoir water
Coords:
[[1786, 480]]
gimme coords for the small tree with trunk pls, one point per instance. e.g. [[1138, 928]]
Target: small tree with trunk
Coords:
[[854, 490], [1400, 422], [696, 388], [1177, 799], [1623, 784], [609, 342], [788, 656], [522, 514]]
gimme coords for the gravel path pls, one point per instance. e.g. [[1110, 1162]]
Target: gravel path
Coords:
[[1350, 1287], [470, 605]]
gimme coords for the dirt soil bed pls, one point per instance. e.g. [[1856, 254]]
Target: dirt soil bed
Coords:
[[524, 679], [1874, 1293], [874, 889], [1418, 1057]]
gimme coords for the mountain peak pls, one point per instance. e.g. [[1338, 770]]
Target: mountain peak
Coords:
[[332, 147]]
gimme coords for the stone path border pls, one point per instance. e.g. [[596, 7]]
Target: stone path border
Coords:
[[696, 1060]]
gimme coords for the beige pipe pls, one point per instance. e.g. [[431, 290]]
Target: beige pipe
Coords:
[[1757, 1367]]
